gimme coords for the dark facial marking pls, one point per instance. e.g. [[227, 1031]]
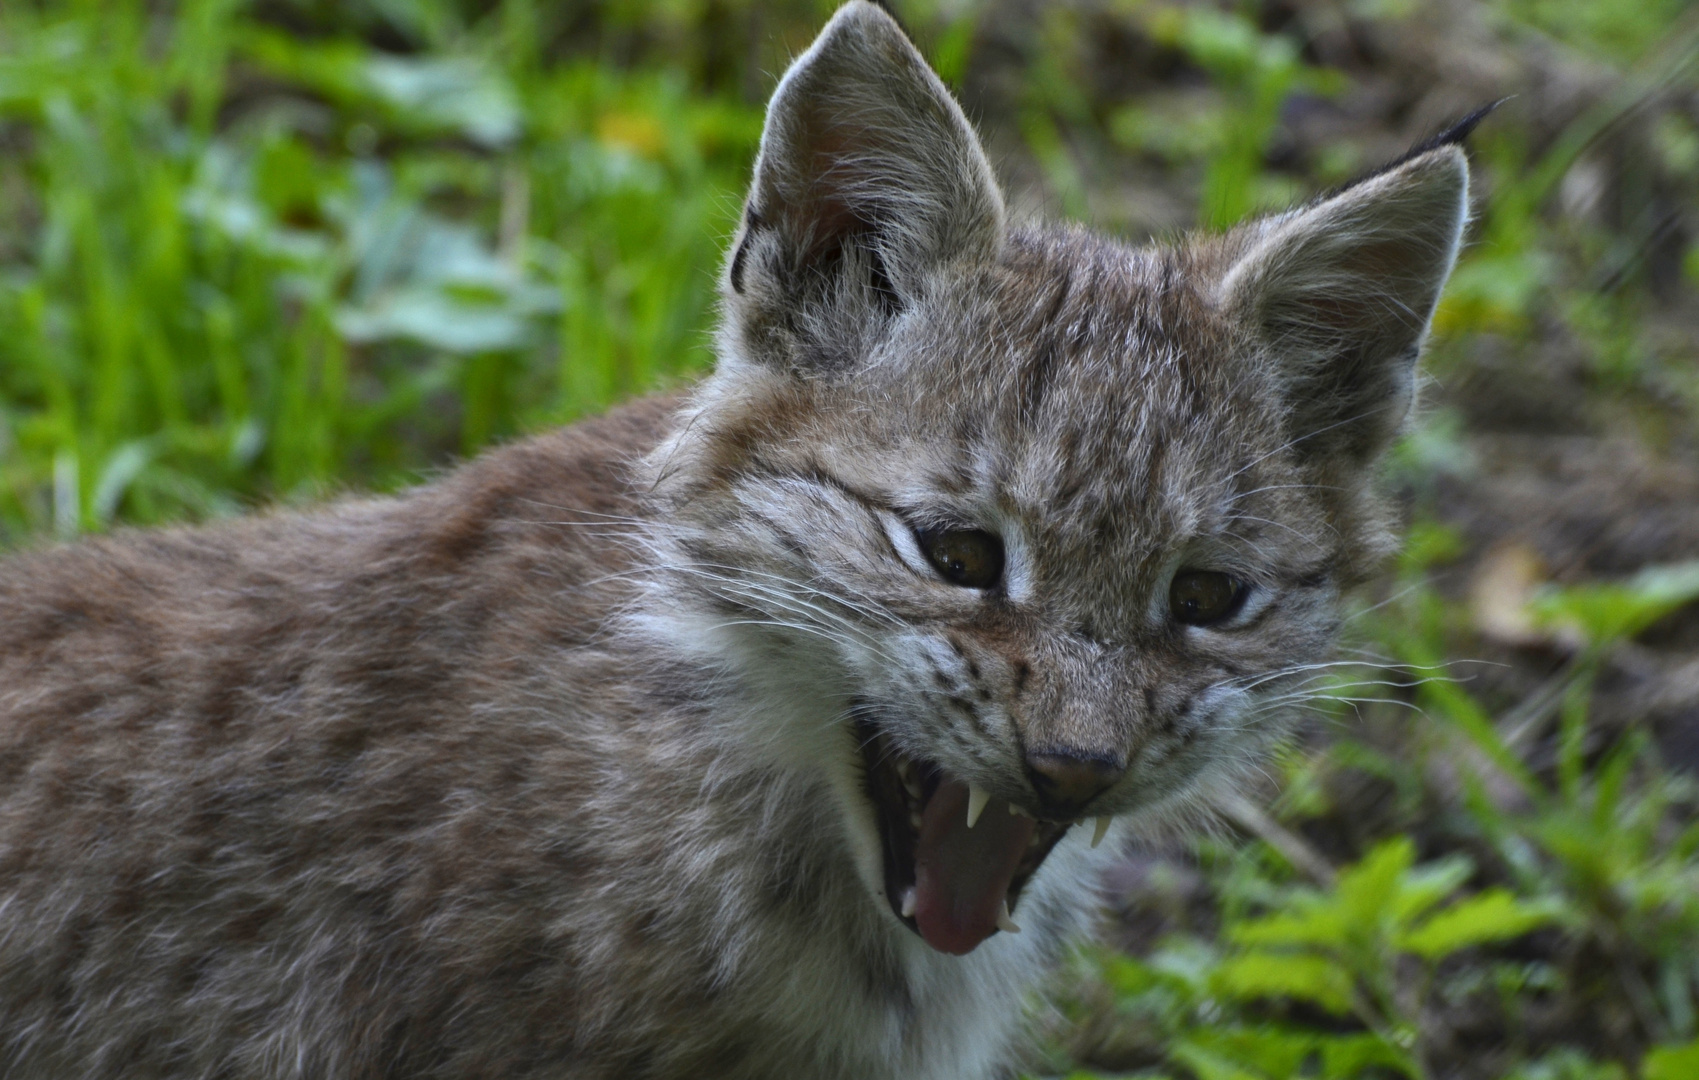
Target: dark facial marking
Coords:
[[752, 222]]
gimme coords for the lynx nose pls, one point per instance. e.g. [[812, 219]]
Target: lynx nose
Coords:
[[1066, 781]]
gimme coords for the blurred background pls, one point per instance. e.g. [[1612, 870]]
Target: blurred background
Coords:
[[263, 252]]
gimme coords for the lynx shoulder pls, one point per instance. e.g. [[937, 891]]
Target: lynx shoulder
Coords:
[[771, 731]]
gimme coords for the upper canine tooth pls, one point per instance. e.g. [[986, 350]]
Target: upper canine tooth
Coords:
[[1101, 829], [1004, 922], [910, 902], [977, 797]]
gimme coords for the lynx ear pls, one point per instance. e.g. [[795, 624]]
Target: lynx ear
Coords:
[[868, 179], [1341, 293]]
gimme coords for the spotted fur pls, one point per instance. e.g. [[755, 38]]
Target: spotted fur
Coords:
[[548, 769]]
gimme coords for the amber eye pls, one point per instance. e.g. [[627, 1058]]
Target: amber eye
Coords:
[[1200, 597], [969, 557]]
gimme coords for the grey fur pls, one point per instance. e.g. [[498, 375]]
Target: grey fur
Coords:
[[545, 769]]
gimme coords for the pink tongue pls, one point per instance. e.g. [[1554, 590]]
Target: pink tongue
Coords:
[[961, 875]]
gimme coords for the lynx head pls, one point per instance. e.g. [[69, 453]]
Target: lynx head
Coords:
[[1038, 520]]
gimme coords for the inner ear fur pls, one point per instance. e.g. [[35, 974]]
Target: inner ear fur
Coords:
[[1340, 295], [868, 179]]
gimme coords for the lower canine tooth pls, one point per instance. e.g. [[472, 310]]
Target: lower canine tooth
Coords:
[[1004, 922], [910, 903], [1101, 829], [977, 797]]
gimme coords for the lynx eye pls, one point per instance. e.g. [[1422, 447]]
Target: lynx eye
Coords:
[[972, 558], [1201, 597]]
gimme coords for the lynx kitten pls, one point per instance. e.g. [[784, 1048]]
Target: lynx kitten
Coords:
[[768, 732]]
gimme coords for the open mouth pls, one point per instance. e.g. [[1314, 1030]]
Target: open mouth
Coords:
[[953, 881]]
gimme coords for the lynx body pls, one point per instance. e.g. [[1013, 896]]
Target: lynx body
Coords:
[[734, 735]]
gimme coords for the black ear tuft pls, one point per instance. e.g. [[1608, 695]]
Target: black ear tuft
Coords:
[[1455, 134], [1458, 132]]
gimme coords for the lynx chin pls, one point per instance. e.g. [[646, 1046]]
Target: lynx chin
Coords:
[[774, 730]]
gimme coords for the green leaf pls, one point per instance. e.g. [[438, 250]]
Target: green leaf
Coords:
[[457, 93], [1302, 976], [1672, 1063], [1314, 921], [1345, 1057], [1367, 891], [1618, 610], [1430, 884], [1209, 1065], [1242, 1053], [1269, 1051], [1494, 915]]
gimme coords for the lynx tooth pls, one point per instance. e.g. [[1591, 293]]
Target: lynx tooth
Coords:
[[1101, 829], [1004, 922], [977, 797]]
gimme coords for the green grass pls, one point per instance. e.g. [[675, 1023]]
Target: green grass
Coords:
[[263, 252], [238, 265]]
